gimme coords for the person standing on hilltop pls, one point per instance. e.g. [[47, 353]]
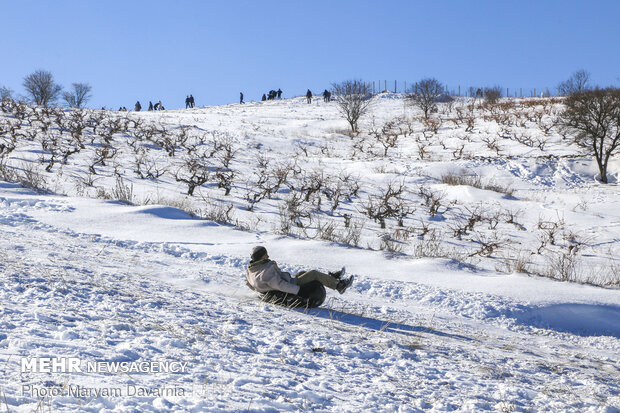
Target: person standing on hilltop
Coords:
[[137, 107], [309, 96], [241, 98]]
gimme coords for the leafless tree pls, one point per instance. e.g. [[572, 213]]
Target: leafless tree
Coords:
[[424, 93], [354, 99], [5, 93], [594, 118], [78, 95], [492, 94], [578, 82], [41, 87]]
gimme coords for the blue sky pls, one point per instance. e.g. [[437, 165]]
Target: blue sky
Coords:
[[150, 50]]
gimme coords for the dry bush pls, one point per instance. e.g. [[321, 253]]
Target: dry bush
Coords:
[[7, 173], [195, 172], [387, 135], [183, 203], [563, 266], [462, 178], [217, 211], [342, 188], [29, 177], [492, 94], [389, 244], [432, 124], [487, 244], [293, 211], [145, 167], [389, 203], [429, 246], [122, 192], [433, 200], [516, 262], [492, 143], [352, 233], [465, 117]]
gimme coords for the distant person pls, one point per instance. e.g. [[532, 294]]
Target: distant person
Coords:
[[264, 98], [187, 103], [279, 92], [309, 96], [156, 107], [137, 107], [161, 107], [325, 96], [241, 98], [191, 101], [150, 105]]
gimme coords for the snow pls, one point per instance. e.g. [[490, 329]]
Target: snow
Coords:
[[102, 280]]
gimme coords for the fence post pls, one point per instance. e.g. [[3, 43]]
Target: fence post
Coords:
[[507, 95], [520, 92], [405, 90], [395, 86], [459, 90]]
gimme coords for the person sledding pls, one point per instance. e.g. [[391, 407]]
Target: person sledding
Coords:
[[265, 277]]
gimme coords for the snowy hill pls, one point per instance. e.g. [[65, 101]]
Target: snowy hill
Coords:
[[457, 304]]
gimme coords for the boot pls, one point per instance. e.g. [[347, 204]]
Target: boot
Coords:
[[344, 284], [338, 274]]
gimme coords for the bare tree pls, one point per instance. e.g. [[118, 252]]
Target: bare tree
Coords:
[[578, 82], [424, 93], [5, 93], [594, 118], [354, 99], [41, 87], [78, 95], [492, 94]]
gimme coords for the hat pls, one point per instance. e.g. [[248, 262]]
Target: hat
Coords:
[[258, 252]]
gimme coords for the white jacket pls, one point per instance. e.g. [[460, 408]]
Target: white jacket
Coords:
[[267, 276]]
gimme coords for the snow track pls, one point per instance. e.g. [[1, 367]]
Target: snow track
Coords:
[[389, 344]]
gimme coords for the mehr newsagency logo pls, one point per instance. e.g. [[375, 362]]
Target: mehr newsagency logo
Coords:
[[76, 365]]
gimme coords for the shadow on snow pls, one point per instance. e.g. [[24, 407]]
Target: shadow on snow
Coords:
[[376, 324]]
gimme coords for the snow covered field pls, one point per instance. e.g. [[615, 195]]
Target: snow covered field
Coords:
[[456, 307]]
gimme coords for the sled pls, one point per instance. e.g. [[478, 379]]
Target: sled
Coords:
[[312, 296]]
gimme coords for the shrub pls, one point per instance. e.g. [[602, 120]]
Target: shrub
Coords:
[[492, 94]]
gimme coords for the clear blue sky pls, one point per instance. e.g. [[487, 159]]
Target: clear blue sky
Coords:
[[150, 50]]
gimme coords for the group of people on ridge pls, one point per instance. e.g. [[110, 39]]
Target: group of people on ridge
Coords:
[[327, 96], [157, 106], [272, 95], [189, 102]]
